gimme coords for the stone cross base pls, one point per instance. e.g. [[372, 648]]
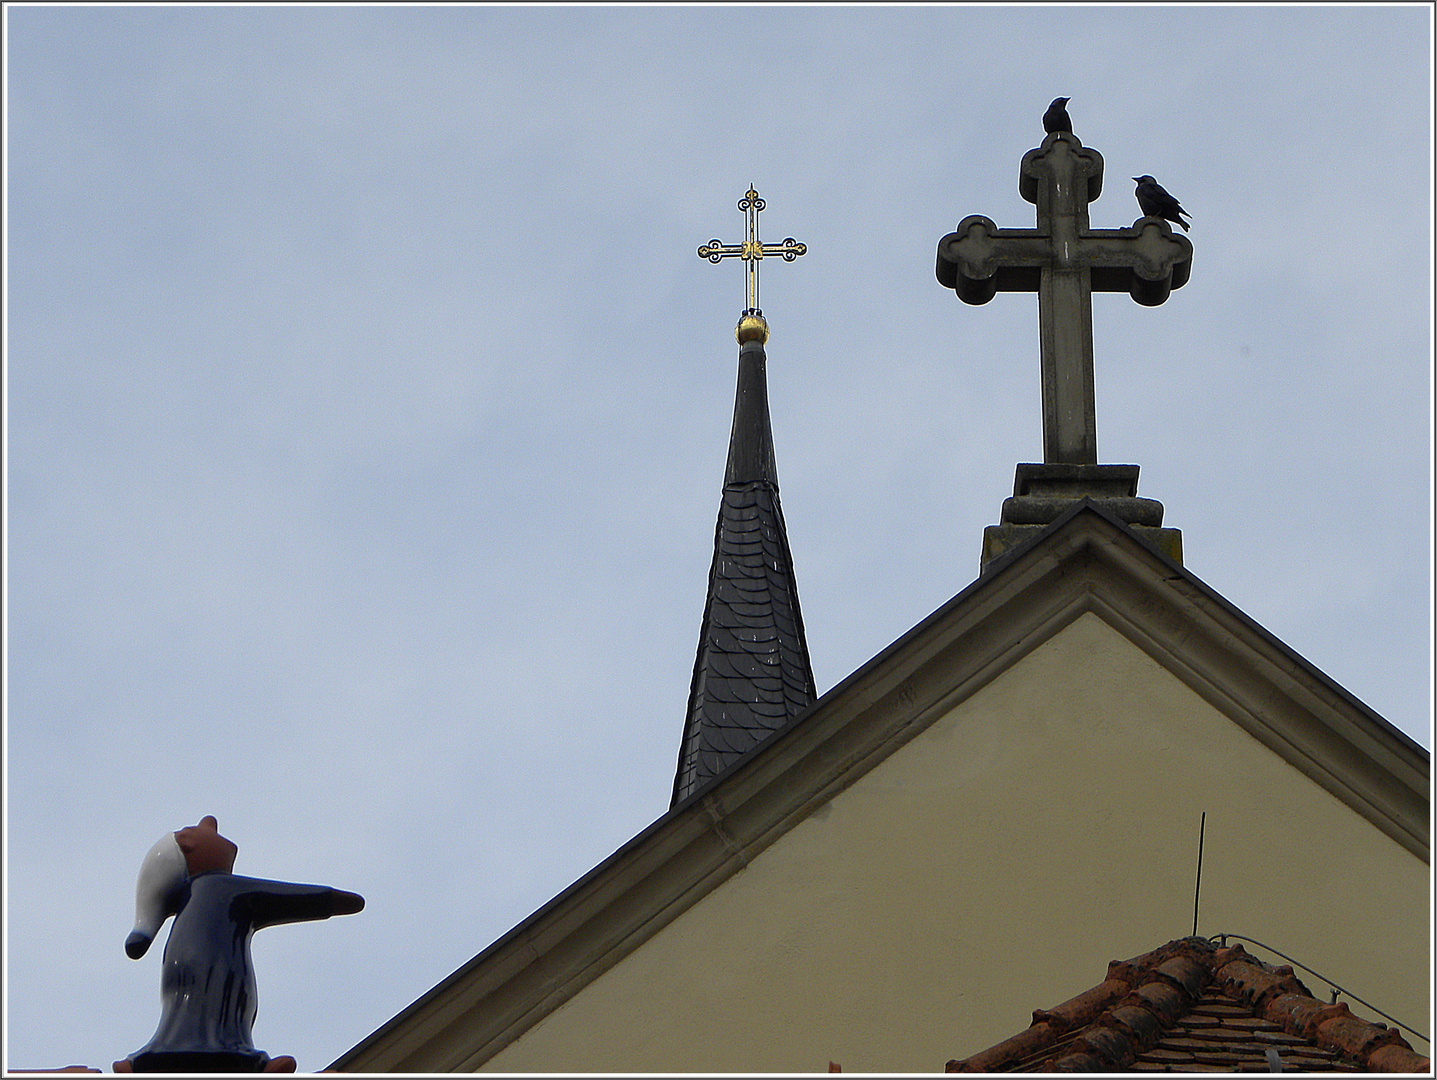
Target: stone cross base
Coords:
[[1041, 493]]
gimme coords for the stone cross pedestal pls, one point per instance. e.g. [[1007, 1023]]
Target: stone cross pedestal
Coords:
[[1063, 260]]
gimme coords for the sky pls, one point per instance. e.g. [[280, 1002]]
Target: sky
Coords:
[[368, 406]]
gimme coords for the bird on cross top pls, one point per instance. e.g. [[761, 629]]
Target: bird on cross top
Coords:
[[1056, 118], [1156, 202]]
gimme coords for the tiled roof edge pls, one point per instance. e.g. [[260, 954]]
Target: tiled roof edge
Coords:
[[1279, 997], [1143, 997], [1125, 1014]]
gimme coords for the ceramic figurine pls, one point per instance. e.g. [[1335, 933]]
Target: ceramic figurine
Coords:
[[207, 984]]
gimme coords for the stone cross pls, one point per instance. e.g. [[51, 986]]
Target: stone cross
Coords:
[[1064, 261], [752, 250]]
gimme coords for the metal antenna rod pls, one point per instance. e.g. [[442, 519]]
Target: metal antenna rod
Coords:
[[1197, 889]]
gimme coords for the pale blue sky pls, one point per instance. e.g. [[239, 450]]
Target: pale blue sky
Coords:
[[368, 407]]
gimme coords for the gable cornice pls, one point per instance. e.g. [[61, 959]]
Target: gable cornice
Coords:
[[1086, 561], [1270, 692]]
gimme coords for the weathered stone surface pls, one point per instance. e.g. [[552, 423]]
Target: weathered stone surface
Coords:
[[1075, 481], [1044, 492], [1064, 261], [1041, 510], [998, 539]]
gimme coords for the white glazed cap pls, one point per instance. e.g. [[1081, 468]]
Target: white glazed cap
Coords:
[[161, 875]]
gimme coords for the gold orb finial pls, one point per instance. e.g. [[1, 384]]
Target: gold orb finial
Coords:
[[752, 326]]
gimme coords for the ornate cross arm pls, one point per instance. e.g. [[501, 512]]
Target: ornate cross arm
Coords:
[[752, 250], [790, 249], [1147, 260]]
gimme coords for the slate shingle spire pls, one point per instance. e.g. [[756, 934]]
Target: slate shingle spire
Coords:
[[752, 674]]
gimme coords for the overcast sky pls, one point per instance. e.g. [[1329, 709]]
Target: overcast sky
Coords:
[[368, 406]]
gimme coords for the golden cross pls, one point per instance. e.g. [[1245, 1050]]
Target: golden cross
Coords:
[[752, 250]]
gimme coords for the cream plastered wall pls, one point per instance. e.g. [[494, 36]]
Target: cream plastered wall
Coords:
[[994, 865]]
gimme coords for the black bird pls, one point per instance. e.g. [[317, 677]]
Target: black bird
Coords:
[[1155, 202], [1056, 118]]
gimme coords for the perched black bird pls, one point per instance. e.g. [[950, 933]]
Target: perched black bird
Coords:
[[1155, 202], [1056, 118]]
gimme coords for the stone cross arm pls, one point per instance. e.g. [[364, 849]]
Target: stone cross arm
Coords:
[[1064, 261], [1146, 260]]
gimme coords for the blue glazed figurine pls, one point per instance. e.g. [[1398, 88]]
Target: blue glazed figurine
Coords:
[[207, 984]]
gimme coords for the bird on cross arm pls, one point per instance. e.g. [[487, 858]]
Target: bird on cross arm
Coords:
[[1156, 202]]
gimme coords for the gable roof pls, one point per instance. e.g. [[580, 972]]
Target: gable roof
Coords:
[[1191, 1006], [1086, 561], [752, 674]]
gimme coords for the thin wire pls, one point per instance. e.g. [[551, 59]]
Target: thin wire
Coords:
[[1325, 979]]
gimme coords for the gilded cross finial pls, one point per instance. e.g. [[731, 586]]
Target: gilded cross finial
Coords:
[[751, 325]]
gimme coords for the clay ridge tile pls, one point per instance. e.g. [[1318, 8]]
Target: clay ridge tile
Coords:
[[1085, 1008], [1398, 1057], [1247, 978], [1163, 1000], [1170, 981], [1277, 995], [1081, 1063], [1297, 1014], [1047, 1027], [996, 1058], [1110, 1046], [1186, 973], [1142, 1026], [1353, 1037], [1108, 1027], [1124, 1015]]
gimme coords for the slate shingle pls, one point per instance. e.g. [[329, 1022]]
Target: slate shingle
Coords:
[[752, 674]]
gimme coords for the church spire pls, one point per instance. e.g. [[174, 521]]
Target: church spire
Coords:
[[752, 674]]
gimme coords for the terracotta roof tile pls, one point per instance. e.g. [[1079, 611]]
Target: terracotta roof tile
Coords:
[[1193, 1007]]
